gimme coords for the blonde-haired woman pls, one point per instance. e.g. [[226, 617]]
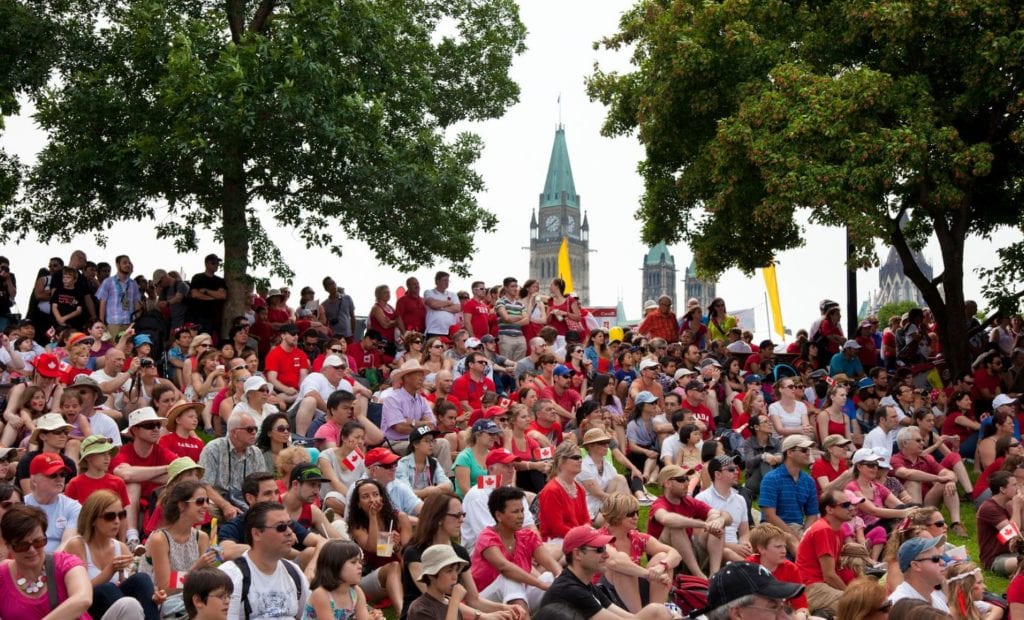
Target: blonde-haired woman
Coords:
[[965, 592], [864, 599], [106, 559], [433, 356], [201, 343], [624, 569], [563, 501]]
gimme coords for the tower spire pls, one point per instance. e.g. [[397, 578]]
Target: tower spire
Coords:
[[559, 187]]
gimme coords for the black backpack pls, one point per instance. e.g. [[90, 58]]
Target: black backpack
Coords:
[[243, 566]]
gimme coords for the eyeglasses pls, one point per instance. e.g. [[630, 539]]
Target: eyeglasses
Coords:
[[281, 429], [846, 505], [148, 426], [237, 368], [204, 346], [1015, 445], [574, 457], [224, 596], [633, 515], [484, 362], [61, 475], [804, 450], [935, 559], [23, 545], [198, 501], [457, 515], [680, 479], [787, 387], [248, 429], [114, 516], [437, 346], [280, 528], [939, 523], [388, 466], [870, 465]]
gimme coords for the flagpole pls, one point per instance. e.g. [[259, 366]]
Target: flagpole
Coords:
[[768, 313]]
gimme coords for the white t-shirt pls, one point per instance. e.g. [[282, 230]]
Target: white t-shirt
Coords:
[[102, 377], [438, 321], [880, 441], [474, 504], [61, 514], [315, 381], [788, 419], [904, 590], [589, 472], [670, 447], [735, 505], [271, 597]]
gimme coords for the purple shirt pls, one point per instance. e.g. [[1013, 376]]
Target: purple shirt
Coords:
[[401, 406]]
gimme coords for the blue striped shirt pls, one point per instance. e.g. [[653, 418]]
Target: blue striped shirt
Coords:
[[792, 500]]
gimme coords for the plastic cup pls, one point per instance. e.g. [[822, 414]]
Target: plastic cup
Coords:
[[385, 548]]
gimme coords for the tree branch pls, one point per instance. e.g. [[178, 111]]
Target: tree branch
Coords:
[[236, 19], [259, 20]]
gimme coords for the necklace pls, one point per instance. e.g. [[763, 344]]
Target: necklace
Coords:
[[33, 587]]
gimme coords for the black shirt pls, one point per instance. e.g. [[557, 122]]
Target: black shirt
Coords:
[[583, 597], [413, 554], [206, 308]]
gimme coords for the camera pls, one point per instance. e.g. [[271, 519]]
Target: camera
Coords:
[[146, 362]]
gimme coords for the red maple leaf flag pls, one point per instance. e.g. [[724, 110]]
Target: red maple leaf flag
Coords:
[[505, 403], [545, 453], [1008, 532], [352, 461], [487, 482]]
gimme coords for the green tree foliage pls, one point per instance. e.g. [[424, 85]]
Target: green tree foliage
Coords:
[[897, 308], [855, 111], [330, 115]]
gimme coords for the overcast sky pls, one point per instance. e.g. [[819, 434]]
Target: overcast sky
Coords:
[[513, 165]]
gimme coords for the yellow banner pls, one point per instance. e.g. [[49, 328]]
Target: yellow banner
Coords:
[[772, 285], [564, 268]]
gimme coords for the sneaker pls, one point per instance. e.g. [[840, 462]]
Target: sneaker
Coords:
[[645, 500]]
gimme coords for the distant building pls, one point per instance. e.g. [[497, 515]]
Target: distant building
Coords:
[[659, 275], [557, 216], [694, 287]]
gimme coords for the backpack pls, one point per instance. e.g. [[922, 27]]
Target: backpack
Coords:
[[243, 566], [689, 593]]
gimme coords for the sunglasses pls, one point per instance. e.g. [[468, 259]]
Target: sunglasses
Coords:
[[804, 450], [281, 429], [600, 549], [59, 475], [457, 515], [338, 350], [114, 516], [388, 466], [939, 523], [871, 465], [437, 346], [680, 479], [633, 515], [846, 505], [149, 426], [935, 559], [23, 545], [198, 501], [242, 367], [248, 429], [59, 431], [280, 528], [574, 457]]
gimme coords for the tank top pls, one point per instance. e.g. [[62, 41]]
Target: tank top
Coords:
[[389, 313], [337, 613], [90, 566]]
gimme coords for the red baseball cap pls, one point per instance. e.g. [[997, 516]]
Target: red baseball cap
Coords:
[[47, 365], [500, 455], [47, 464], [380, 456], [584, 536], [493, 412]]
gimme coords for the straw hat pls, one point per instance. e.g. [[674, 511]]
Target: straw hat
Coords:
[[179, 408], [596, 435], [410, 366]]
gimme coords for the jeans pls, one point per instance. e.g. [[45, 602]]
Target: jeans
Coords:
[[139, 587]]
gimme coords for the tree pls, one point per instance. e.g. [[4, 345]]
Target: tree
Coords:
[[896, 308], [855, 112], [330, 115]]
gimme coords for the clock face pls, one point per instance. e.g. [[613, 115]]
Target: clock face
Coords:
[[551, 223], [571, 225]]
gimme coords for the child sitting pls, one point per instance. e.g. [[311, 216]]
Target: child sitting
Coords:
[[71, 409], [441, 568]]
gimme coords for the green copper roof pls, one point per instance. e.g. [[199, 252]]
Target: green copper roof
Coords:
[[691, 271], [559, 188], [655, 255]]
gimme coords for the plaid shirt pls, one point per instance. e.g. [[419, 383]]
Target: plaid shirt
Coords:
[[658, 325], [121, 299]]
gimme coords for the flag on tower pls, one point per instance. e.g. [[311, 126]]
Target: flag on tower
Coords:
[[564, 268]]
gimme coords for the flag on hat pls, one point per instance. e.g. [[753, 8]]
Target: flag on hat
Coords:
[[352, 461], [487, 482]]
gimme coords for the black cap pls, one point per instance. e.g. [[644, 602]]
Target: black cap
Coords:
[[212, 258], [307, 472], [288, 328], [373, 334], [695, 385], [739, 579], [422, 431]]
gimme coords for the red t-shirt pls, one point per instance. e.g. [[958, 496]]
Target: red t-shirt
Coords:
[[413, 313], [827, 328], [553, 432], [521, 555], [983, 380], [982, 484], [687, 507], [822, 467], [465, 389], [567, 400], [366, 359], [81, 487], [479, 317], [159, 456], [287, 365], [949, 427], [1015, 593], [191, 447], [789, 573], [819, 540], [702, 413], [558, 512]]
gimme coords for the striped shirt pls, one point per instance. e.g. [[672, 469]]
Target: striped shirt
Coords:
[[792, 500], [514, 309]]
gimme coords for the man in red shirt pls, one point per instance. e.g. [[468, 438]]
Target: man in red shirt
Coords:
[[986, 382], [410, 309], [287, 365], [564, 397], [662, 322], [675, 515], [694, 402], [817, 555], [470, 387], [922, 476], [142, 464], [476, 314], [545, 428]]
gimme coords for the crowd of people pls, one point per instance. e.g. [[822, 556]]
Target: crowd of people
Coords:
[[487, 454]]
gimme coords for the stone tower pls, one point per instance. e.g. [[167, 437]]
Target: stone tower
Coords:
[[696, 288], [660, 275], [558, 215]]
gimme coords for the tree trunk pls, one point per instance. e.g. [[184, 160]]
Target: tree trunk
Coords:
[[235, 231], [948, 306]]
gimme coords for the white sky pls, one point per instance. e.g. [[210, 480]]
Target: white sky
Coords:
[[513, 165]]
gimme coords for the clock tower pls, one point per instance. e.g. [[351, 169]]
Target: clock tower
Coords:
[[557, 216]]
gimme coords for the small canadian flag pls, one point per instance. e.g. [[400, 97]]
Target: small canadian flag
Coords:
[[177, 579], [504, 403], [487, 482], [352, 461], [1008, 532], [545, 453]]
